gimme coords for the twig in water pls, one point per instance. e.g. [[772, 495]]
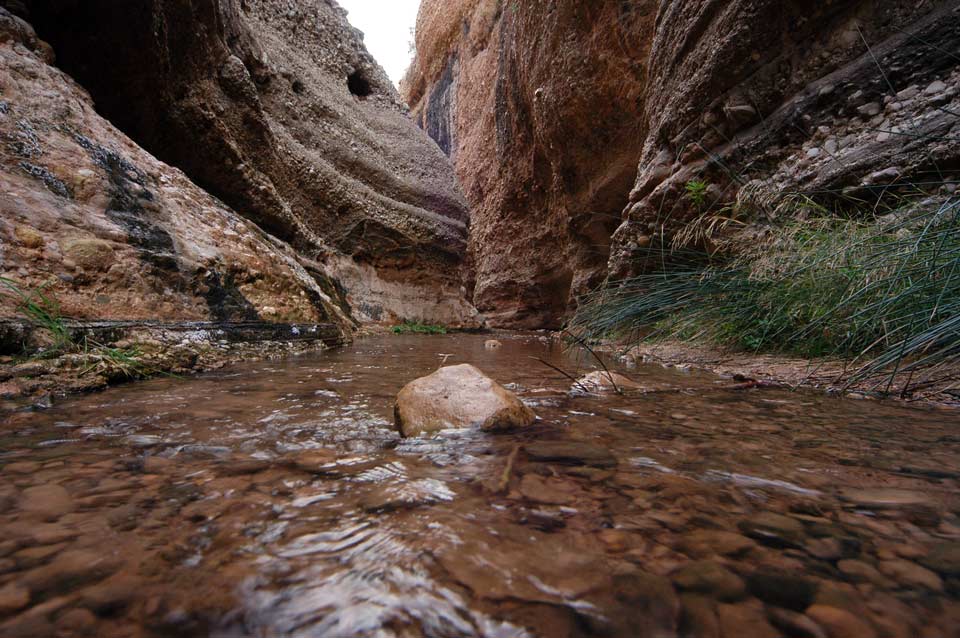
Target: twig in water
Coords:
[[583, 343], [508, 470]]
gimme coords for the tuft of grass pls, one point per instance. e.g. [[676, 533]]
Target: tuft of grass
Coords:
[[43, 311], [882, 294], [416, 327], [40, 309]]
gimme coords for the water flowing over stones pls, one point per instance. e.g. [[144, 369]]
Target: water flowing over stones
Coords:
[[278, 498]]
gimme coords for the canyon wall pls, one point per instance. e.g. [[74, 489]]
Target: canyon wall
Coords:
[[248, 152], [577, 129]]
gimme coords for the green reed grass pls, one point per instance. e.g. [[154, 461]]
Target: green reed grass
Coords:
[[883, 294]]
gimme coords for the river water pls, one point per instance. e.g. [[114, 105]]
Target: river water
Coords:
[[276, 499]]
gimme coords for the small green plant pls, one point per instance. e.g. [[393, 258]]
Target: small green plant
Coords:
[[39, 309], [43, 312], [697, 192], [416, 327]]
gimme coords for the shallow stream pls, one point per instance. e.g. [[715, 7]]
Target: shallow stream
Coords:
[[276, 499]]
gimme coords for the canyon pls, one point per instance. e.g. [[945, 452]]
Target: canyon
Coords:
[[235, 187], [576, 127]]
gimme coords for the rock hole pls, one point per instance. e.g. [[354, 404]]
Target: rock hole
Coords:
[[359, 85], [298, 87]]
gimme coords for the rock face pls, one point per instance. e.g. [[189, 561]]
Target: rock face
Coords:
[[458, 397], [539, 105], [273, 107], [110, 231], [577, 127]]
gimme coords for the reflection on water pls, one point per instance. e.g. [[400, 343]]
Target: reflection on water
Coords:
[[276, 499]]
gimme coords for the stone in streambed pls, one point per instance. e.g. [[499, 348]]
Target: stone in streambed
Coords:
[[570, 452], [774, 529], [706, 577], [47, 502], [602, 382], [492, 344], [840, 623], [944, 558], [458, 397]]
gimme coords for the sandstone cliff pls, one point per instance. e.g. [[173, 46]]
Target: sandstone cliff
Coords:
[[577, 127], [321, 186]]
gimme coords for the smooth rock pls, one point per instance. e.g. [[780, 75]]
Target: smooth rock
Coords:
[[860, 572], [840, 623], [944, 558], [773, 529], [458, 397], [570, 452], [548, 491], [70, 569], [699, 616], [603, 382], [703, 543], [48, 502], [743, 620], [492, 344], [795, 624], [911, 575], [707, 577], [13, 598], [934, 88]]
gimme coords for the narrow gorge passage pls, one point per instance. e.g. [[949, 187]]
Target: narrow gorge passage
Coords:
[[276, 499]]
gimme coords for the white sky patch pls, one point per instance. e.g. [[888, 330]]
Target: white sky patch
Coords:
[[386, 26]]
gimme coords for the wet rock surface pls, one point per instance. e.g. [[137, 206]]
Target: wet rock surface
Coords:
[[459, 397], [277, 498]]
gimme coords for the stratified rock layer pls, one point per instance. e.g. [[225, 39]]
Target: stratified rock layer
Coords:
[[539, 105], [553, 111], [108, 231], [276, 108]]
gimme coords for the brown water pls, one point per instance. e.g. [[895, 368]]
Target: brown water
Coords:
[[276, 499]]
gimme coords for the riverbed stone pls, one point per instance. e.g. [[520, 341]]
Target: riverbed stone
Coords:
[[547, 491], [492, 344], [745, 619], [602, 381], [857, 571], [46, 502], [70, 569], [911, 575], [795, 624], [703, 543], [944, 558], [840, 623], [774, 529], [570, 452], [458, 397], [13, 598], [707, 577], [782, 588]]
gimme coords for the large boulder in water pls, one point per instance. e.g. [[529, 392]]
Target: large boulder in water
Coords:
[[458, 397]]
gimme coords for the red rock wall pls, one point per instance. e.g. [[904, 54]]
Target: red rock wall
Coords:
[[569, 122], [539, 105], [277, 109]]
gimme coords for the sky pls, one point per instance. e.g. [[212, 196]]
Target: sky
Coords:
[[386, 26]]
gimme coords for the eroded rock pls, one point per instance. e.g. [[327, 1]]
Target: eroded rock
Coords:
[[458, 397]]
